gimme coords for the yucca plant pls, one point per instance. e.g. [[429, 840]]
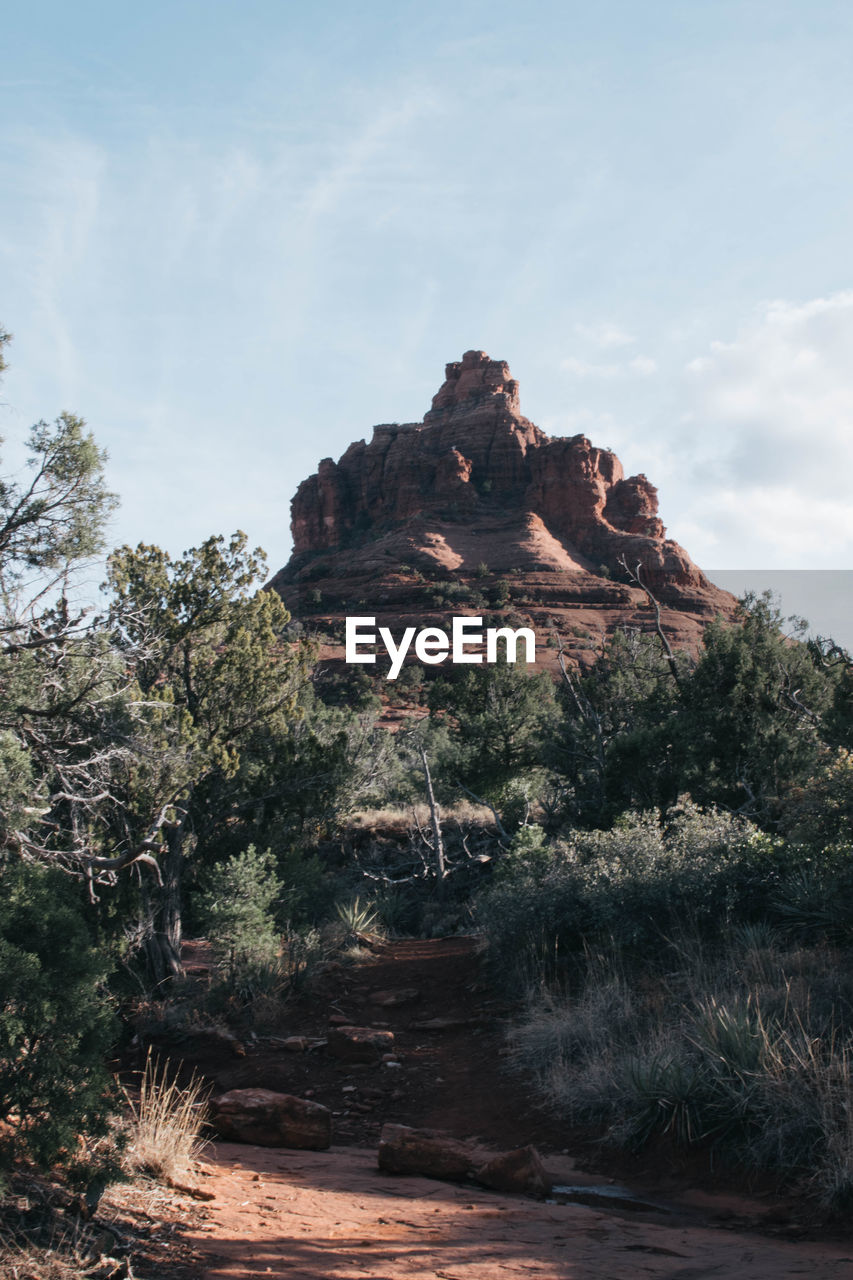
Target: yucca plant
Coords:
[[666, 1094], [360, 919]]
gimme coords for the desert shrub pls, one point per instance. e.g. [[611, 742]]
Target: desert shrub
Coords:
[[307, 890], [56, 1019], [815, 901], [818, 814], [237, 911], [711, 1052], [399, 909], [636, 887]]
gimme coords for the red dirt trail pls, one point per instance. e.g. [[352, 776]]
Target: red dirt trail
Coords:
[[334, 1216]]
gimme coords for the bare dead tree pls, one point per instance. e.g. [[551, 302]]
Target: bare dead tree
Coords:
[[635, 575], [434, 815], [479, 800]]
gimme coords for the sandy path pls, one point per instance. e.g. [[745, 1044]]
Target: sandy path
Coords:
[[333, 1216]]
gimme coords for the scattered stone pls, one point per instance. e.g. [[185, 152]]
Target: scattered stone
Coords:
[[391, 999], [220, 1036], [423, 1151], [359, 1044], [338, 1020], [436, 1155], [295, 1044], [521, 1171], [270, 1119]]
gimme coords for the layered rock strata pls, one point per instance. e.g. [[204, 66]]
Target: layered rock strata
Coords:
[[476, 490]]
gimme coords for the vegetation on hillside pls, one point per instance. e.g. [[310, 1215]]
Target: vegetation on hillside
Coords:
[[658, 851]]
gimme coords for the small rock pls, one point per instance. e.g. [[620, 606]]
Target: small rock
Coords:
[[359, 1044], [520, 1170], [270, 1119], [295, 1044], [390, 999]]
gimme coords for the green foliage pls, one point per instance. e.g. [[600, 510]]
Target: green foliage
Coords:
[[499, 717], [634, 886], [358, 918], [818, 812], [528, 855], [56, 1023], [752, 712], [740, 727], [216, 677], [56, 517], [237, 910]]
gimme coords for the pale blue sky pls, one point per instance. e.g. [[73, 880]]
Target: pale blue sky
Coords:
[[233, 237]]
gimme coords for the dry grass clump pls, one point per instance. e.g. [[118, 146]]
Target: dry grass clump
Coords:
[[741, 1053], [27, 1262], [39, 1241], [397, 819], [166, 1124]]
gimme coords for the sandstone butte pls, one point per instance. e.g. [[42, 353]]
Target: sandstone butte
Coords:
[[476, 511]]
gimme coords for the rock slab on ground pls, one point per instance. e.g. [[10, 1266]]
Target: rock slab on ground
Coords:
[[519, 1170], [269, 1119], [431, 1154], [359, 1044]]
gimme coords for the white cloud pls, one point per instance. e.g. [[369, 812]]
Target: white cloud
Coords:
[[640, 365], [604, 335], [770, 420], [589, 369]]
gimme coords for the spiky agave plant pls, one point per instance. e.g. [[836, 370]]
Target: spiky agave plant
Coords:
[[360, 919]]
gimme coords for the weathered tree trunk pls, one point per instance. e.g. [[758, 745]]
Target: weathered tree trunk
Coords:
[[435, 818], [163, 946]]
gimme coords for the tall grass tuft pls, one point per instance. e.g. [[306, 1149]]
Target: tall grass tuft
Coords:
[[166, 1123]]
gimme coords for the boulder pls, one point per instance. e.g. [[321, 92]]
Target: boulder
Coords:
[[519, 1171], [269, 1119], [438, 1155], [424, 1152], [359, 1044]]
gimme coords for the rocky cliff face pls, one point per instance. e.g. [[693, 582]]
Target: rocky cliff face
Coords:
[[477, 488]]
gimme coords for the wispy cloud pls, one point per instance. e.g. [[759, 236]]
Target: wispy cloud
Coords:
[[639, 366], [770, 418], [604, 334]]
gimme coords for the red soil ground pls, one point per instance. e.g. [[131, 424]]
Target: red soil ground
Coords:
[[329, 1215]]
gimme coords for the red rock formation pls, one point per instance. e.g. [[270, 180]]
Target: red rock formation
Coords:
[[477, 484]]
